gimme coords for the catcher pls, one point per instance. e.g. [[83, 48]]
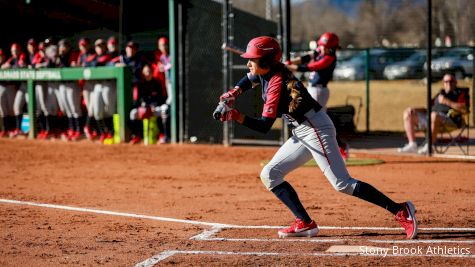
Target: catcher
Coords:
[[313, 136]]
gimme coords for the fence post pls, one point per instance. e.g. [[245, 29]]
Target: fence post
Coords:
[[367, 75], [124, 100], [31, 108]]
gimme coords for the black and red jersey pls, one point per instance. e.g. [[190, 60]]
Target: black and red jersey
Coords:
[[18, 62], [67, 59], [276, 97], [456, 95], [321, 66], [151, 93]]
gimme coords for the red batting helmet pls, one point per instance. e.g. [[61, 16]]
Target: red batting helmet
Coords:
[[263, 46], [329, 40]]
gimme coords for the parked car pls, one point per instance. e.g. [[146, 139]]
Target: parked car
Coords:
[[411, 67], [458, 61], [354, 69]]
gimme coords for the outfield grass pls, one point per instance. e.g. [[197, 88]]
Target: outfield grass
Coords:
[[388, 99]]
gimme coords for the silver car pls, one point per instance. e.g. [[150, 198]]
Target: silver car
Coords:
[[354, 69], [458, 61], [410, 68]]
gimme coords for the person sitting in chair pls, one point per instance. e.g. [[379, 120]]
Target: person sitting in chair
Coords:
[[449, 98]]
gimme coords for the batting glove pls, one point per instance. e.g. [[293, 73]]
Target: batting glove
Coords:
[[232, 115], [230, 96]]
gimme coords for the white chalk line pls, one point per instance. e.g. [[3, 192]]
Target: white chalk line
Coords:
[[216, 225], [209, 235], [166, 254]]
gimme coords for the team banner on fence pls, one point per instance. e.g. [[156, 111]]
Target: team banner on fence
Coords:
[[30, 75], [60, 74]]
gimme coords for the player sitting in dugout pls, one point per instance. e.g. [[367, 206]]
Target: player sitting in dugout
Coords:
[[149, 100]]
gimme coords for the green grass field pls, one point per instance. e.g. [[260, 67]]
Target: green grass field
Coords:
[[388, 99]]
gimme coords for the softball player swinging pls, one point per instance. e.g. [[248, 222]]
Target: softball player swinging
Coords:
[[321, 64], [313, 136]]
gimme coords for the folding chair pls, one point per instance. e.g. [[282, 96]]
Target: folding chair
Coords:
[[455, 136]]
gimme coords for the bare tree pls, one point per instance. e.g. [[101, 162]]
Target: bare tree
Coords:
[[400, 23]]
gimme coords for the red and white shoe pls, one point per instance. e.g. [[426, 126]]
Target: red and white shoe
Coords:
[[44, 135], [15, 133], [70, 133], [407, 219], [135, 140], [162, 139], [2, 134], [299, 229], [75, 136], [104, 136], [90, 134]]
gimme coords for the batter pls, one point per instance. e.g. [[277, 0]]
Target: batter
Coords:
[[314, 136]]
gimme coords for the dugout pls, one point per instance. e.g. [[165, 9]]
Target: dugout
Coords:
[[205, 70]]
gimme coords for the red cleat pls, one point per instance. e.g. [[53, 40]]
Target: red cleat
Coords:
[[105, 136], [2, 134], [91, 135], [299, 229], [162, 139], [70, 133], [75, 136], [15, 133], [44, 135], [407, 219], [135, 140]]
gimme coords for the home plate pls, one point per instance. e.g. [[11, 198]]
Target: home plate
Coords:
[[353, 249]]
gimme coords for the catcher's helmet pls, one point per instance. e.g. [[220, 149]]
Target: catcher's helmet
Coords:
[[329, 40], [263, 46]]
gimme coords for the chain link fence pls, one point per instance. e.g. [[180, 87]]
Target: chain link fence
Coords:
[[203, 69]]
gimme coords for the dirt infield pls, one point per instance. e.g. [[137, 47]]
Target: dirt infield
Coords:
[[82, 204]]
